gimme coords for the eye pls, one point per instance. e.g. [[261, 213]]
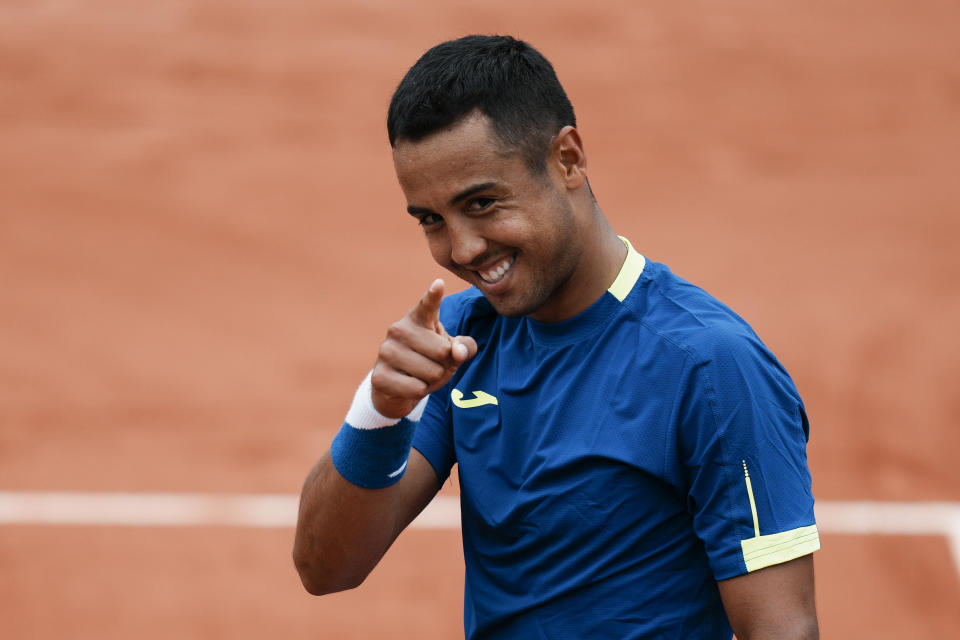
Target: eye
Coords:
[[477, 205], [429, 220]]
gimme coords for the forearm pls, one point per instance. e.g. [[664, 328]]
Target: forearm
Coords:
[[343, 530], [332, 522], [358, 497]]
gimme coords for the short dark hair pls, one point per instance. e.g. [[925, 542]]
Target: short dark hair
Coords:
[[506, 79]]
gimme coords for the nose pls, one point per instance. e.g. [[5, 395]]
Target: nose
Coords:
[[465, 244]]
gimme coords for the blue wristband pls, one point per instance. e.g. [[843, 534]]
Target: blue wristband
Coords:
[[373, 458], [371, 450]]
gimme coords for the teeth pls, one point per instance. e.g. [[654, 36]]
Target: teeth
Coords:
[[497, 272]]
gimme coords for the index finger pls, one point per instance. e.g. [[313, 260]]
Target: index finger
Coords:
[[427, 311]]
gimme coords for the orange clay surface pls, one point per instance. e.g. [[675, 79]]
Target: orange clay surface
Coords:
[[202, 243]]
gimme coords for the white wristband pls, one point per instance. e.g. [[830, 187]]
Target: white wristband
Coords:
[[363, 415]]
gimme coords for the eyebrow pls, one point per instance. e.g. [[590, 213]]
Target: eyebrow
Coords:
[[466, 193]]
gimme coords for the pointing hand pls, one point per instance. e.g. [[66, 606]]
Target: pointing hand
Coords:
[[417, 357]]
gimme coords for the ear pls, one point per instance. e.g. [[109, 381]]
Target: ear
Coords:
[[569, 157]]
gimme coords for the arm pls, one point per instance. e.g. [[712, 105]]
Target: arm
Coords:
[[343, 529], [773, 602]]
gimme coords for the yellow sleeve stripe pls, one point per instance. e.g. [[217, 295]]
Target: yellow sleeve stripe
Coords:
[[775, 548], [753, 503], [629, 272]]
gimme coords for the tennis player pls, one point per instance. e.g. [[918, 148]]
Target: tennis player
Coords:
[[631, 456]]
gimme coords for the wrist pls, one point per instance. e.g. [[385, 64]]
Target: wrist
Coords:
[[371, 450], [363, 413]]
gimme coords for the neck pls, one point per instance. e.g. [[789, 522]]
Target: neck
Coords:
[[602, 256], [609, 253]]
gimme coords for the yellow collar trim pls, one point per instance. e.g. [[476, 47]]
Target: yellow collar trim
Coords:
[[629, 272]]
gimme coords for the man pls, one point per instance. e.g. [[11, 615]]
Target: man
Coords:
[[631, 456]]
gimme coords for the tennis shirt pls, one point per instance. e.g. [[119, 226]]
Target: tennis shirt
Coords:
[[615, 465]]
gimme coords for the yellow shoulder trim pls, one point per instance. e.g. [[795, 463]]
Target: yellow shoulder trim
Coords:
[[775, 548], [629, 272]]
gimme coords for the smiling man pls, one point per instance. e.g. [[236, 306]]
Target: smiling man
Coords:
[[631, 456]]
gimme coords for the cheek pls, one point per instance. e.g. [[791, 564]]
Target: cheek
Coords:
[[439, 248]]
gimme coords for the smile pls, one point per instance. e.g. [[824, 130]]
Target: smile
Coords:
[[496, 273]]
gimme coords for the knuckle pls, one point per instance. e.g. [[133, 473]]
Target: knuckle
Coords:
[[430, 373], [389, 351], [378, 379], [396, 331], [438, 373], [421, 388]]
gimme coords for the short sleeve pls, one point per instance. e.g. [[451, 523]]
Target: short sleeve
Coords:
[[743, 434], [433, 437]]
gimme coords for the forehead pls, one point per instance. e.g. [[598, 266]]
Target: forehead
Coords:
[[445, 161]]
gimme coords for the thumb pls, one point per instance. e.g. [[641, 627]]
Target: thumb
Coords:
[[463, 348]]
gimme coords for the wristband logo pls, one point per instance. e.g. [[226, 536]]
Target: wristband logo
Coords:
[[399, 470], [479, 399]]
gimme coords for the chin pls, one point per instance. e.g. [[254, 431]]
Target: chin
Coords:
[[512, 308], [510, 313]]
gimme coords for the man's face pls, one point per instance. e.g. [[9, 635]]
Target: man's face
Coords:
[[490, 221]]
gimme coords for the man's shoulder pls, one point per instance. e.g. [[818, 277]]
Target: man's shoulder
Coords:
[[686, 314], [465, 308], [713, 338]]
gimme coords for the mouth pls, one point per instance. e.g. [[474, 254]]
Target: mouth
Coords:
[[497, 271]]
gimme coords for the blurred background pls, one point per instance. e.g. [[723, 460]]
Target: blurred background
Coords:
[[202, 243]]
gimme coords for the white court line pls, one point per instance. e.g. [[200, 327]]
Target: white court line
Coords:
[[894, 518], [280, 510], [179, 510]]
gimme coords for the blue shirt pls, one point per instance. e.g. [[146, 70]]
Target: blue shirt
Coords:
[[613, 466]]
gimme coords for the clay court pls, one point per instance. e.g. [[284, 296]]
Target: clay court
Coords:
[[202, 243]]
